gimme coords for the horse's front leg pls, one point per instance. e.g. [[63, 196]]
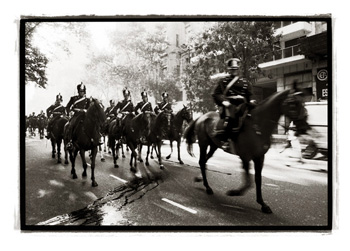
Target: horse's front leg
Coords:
[[258, 166], [93, 161], [140, 155], [178, 151], [159, 145], [53, 144], [72, 157], [133, 157], [65, 154], [246, 183], [148, 151], [59, 151], [82, 155], [171, 147]]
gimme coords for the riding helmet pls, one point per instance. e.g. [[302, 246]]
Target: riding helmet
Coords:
[[126, 91], [59, 97], [81, 87], [164, 94], [144, 94], [233, 63]]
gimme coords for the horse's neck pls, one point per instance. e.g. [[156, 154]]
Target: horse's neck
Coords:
[[178, 119], [266, 115]]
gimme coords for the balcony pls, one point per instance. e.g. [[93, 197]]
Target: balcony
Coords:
[[281, 57], [294, 30]]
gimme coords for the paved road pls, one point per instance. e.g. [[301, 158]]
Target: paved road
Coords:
[[296, 193]]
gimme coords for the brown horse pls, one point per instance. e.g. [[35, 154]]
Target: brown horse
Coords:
[[57, 135], [253, 140], [86, 137]]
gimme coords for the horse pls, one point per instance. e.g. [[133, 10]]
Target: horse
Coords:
[[159, 127], [57, 134], [114, 137], [253, 139], [86, 136], [176, 130], [135, 128], [41, 123]]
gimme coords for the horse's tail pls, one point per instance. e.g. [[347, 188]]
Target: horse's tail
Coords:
[[190, 136]]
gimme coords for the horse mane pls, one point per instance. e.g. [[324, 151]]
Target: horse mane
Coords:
[[95, 112], [272, 100]]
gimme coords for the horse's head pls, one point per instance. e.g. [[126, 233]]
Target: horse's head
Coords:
[[294, 109], [187, 113], [96, 112]]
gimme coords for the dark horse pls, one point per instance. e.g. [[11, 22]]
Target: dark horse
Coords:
[[159, 127], [176, 129], [253, 140], [135, 128], [86, 137], [57, 135], [114, 138]]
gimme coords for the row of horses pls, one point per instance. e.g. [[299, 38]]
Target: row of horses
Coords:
[[149, 129], [135, 131]]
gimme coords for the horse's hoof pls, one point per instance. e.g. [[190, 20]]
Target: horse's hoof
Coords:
[[152, 157], [84, 175], [147, 163], [198, 179], [168, 157], [181, 162], [75, 176], [266, 209], [161, 167], [209, 191], [141, 160], [133, 169], [123, 156], [116, 165], [94, 184], [103, 159], [59, 161], [66, 162], [233, 193], [53, 156]]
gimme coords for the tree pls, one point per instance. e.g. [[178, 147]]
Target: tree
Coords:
[[251, 42], [35, 62]]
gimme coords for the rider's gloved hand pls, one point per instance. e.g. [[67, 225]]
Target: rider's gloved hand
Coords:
[[226, 103]]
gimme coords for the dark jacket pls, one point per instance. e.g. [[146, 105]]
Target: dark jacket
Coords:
[[55, 110], [163, 106], [144, 107], [77, 103]]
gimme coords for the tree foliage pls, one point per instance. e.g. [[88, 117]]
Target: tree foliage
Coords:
[[35, 62], [251, 42]]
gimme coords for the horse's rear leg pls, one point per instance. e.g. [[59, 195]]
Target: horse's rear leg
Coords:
[[246, 183], [159, 145], [59, 151], [148, 151], [258, 166], [133, 157], [171, 147], [202, 164], [115, 153]]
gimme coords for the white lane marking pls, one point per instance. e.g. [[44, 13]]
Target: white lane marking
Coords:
[[124, 181], [180, 206], [237, 207]]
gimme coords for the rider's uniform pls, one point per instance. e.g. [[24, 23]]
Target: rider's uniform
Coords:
[[143, 107], [163, 106]]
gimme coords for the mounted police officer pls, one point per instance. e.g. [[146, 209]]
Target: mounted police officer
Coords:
[[124, 107], [54, 112], [231, 94], [110, 115], [164, 105], [144, 105], [79, 105]]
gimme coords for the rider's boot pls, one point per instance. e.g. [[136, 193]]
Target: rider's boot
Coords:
[[48, 134]]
